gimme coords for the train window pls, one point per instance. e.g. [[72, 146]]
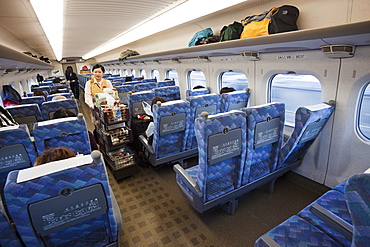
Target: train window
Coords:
[[236, 80], [154, 73], [133, 72], [21, 88], [142, 73], [196, 78], [364, 112], [172, 74], [295, 91], [124, 72]]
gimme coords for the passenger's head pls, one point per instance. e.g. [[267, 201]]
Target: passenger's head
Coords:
[[98, 70], [57, 80], [226, 90], [128, 78], [58, 97], [39, 93], [62, 113], [54, 91], [198, 87], [54, 154], [156, 99]]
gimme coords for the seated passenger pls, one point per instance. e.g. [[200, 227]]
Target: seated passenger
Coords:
[[55, 91], [39, 93], [150, 129], [57, 80], [62, 112], [198, 87], [54, 154], [58, 97], [226, 90]]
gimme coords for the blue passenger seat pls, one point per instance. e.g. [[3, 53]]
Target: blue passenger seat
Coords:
[[166, 83], [169, 92], [33, 100], [234, 100], [51, 96], [195, 92], [70, 132], [265, 133], [357, 192], [134, 102], [171, 120], [26, 114], [210, 103], [8, 235], [48, 108], [309, 121], [335, 219], [64, 203], [19, 134], [145, 86], [222, 150], [123, 91]]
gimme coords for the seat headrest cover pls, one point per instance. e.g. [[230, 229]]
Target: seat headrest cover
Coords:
[[52, 167]]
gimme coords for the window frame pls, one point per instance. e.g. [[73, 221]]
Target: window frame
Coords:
[[270, 82], [360, 132], [189, 81]]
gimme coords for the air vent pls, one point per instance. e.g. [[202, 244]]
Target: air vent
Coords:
[[338, 51], [72, 60], [251, 56]]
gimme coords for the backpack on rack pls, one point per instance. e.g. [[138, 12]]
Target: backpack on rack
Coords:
[[210, 39], [126, 54], [11, 96], [276, 20], [231, 31], [199, 36]]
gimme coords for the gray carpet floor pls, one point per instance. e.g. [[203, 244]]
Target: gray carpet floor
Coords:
[[154, 212]]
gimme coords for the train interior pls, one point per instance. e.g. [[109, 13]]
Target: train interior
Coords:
[[319, 73]]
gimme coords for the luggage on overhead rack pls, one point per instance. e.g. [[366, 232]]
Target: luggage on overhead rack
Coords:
[[275, 20]]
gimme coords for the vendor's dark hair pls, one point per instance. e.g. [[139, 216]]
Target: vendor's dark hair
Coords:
[[96, 66]]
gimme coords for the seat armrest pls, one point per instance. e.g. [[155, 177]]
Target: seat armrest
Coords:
[[267, 241], [184, 176], [340, 225], [146, 144]]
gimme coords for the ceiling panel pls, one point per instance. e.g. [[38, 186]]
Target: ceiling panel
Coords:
[[92, 23]]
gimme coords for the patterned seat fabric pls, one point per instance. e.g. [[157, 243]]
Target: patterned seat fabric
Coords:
[[340, 187], [234, 100], [26, 114], [70, 132], [135, 99], [171, 120], [195, 92], [123, 91], [145, 86], [309, 121], [265, 132], [333, 201], [150, 80], [357, 191], [56, 224], [218, 172], [18, 135], [169, 93], [33, 100], [48, 108], [165, 83], [295, 231], [210, 103], [8, 236]]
